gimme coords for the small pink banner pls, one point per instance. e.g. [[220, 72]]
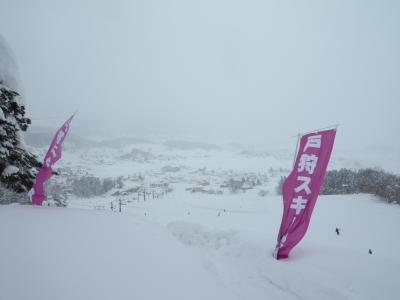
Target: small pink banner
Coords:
[[301, 188], [36, 194]]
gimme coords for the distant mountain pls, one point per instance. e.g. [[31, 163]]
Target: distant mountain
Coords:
[[186, 145], [122, 142], [40, 136]]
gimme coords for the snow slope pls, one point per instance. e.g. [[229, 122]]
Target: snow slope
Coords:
[[237, 245], [186, 245], [50, 253], [199, 247]]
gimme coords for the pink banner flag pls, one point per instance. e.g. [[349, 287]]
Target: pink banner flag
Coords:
[[36, 194], [301, 188]]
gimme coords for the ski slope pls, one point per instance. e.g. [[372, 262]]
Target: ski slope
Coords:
[[194, 245], [199, 247], [50, 253]]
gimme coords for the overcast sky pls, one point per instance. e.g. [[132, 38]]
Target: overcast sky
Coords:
[[257, 71]]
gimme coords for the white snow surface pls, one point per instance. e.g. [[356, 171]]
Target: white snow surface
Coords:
[[195, 245], [9, 170], [182, 247], [69, 254]]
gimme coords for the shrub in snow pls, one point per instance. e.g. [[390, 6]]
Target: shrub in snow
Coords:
[[262, 193], [235, 185], [8, 196], [56, 194], [280, 184], [119, 184]]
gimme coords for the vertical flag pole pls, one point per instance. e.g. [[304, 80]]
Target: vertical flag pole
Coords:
[[297, 148]]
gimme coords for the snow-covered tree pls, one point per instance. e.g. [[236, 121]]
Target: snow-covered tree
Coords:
[[372, 181], [17, 166]]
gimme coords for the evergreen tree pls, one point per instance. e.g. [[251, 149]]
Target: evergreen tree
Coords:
[[371, 181], [17, 166]]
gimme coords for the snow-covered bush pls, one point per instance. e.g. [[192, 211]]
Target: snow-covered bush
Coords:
[[56, 193], [343, 181], [280, 184], [8, 196], [371, 181]]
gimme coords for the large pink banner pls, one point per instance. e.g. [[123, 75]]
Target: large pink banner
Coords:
[[36, 194], [301, 188]]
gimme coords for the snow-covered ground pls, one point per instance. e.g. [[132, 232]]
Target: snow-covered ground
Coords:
[[50, 253], [199, 247], [199, 240]]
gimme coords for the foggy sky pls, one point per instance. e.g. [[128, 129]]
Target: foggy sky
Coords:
[[253, 71]]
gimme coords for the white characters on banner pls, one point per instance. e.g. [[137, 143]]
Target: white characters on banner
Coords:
[[304, 186], [306, 167], [59, 139], [307, 163], [313, 141], [298, 204]]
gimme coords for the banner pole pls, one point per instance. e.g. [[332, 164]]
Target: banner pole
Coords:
[[297, 148], [319, 129]]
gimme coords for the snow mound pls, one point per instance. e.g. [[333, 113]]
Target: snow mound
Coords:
[[197, 236]]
